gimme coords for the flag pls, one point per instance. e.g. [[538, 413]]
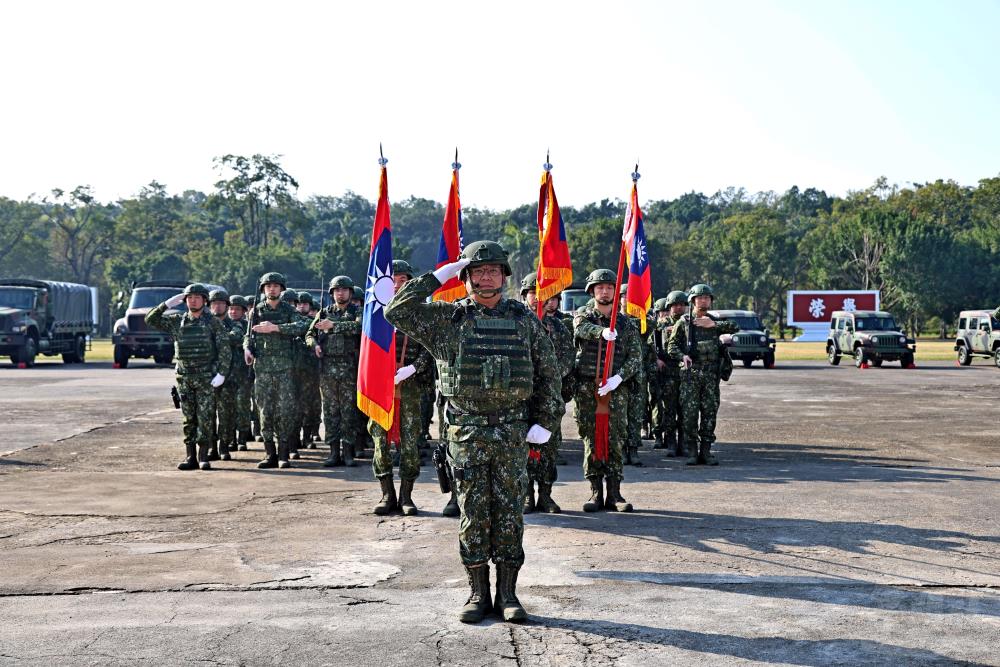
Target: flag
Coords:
[[450, 246], [555, 271], [639, 295], [377, 365]]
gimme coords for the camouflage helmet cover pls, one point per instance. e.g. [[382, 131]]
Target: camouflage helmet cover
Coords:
[[480, 253], [341, 281], [701, 289], [272, 277], [218, 295], [196, 288], [237, 300], [290, 296], [401, 267], [660, 305], [675, 297], [359, 294], [306, 297], [600, 277]]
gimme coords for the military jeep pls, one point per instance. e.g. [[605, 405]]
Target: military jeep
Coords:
[[752, 341], [870, 336], [978, 336]]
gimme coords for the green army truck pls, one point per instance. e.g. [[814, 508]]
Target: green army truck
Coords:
[[572, 298], [752, 342], [44, 317], [978, 336], [870, 337]]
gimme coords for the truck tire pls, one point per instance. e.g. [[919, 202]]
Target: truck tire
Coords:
[[747, 362], [831, 354], [964, 358], [121, 356], [906, 360], [996, 356], [877, 362], [26, 355], [860, 357], [164, 359], [79, 352]]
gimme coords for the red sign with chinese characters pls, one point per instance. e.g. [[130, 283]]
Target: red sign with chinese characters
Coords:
[[816, 307]]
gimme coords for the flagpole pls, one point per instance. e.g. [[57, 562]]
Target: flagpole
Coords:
[[539, 306]]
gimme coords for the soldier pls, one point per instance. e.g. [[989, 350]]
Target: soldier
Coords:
[[499, 372], [312, 405], [291, 297], [269, 346], [241, 374], [411, 360], [696, 346], [335, 336], [225, 396], [542, 461], [667, 417], [254, 411], [202, 352], [638, 387], [591, 331]]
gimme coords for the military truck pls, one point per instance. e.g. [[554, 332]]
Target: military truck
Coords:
[[573, 298], [752, 342], [44, 317], [132, 337], [870, 337], [978, 336]]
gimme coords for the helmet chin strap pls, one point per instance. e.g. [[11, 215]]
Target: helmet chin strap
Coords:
[[485, 292]]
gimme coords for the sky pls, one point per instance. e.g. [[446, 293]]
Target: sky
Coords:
[[704, 95]]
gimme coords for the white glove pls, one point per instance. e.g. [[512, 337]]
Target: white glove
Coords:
[[218, 380], [449, 271], [726, 339], [404, 373], [687, 361], [609, 386], [538, 435], [609, 334], [175, 301]]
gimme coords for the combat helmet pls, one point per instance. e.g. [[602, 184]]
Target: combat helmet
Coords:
[[600, 277], [675, 297], [306, 297], [623, 290], [237, 300], [401, 268], [701, 289], [485, 252], [529, 283], [196, 288], [359, 294], [340, 281], [272, 277], [660, 305], [219, 295]]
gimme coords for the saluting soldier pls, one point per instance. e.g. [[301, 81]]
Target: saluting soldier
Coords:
[[203, 353]]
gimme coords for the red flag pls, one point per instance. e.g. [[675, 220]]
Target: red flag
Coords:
[[450, 246], [555, 270], [377, 364], [639, 294]]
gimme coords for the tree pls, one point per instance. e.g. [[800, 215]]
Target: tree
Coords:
[[82, 229], [260, 195]]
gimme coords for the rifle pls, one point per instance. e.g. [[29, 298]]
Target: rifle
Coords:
[[176, 397], [252, 322], [440, 459]]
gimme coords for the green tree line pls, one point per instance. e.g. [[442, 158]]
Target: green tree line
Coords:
[[929, 247]]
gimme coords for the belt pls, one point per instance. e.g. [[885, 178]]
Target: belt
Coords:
[[484, 418]]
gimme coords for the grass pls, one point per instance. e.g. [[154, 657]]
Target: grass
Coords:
[[927, 350]]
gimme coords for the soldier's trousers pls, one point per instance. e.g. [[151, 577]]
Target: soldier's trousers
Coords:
[[491, 498], [273, 393], [197, 408], [225, 410], [411, 430], [654, 386], [584, 411], [636, 392], [339, 394], [244, 405], [699, 401], [312, 404], [544, 469], [298, 409]]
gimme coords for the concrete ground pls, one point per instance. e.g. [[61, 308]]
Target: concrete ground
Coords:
[[853, 521]]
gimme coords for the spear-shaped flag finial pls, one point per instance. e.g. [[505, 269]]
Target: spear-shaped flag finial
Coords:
[[635, 174], [381, 157], [456, 164], [548, 165]]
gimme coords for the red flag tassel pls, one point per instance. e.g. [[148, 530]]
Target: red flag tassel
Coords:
[[534, 455], [602, 436], [394, 437]]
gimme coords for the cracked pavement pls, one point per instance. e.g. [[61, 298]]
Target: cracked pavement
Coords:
[[853, 521]]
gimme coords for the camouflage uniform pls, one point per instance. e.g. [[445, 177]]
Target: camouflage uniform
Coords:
[[638, 390], [225, 396], [243, 383], [312, 405], [338, 378], [201, 350], [543, 469], [499, 372], [274, 389], [699, 392], [667, 414]]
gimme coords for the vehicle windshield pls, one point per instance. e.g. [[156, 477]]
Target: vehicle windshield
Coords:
[[994, 324], [875, 324], [153, 296], [571, 300], [747, 323], [13, 297]]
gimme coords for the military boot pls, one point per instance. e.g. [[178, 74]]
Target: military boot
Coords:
[[545, 502], [506, 605], [334, 458], [705, 455], [478, 604], [244, 438], [692, 455], [224, 452], [529, 499], [672, 449], [293, 445], [203, 452], [628, 455], [213, 452], [388, 502], [405, 497], [614, 501], [348, 453], [190, 461], [270, 459], [635, 458], [658, 441], [451, 508], [307, 438], [596, 501], [283, 454]]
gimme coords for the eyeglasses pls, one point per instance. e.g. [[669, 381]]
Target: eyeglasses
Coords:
[[483, 271]]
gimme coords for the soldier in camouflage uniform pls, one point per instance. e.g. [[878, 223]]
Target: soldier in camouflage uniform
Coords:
[[542, 461], [297, 414], [667, 416], [225, 396], [312, 405], [254, 410], [202, 352], [411, 360], [499, 372], [638, 387], [335, 336], [696, 347], [241, 373], [592, 332], [270, 346]]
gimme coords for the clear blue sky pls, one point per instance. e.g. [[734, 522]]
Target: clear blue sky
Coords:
[[706, 95]]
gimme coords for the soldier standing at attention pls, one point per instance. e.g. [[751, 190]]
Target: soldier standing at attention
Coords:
[[668, 417], [412, 360], [225, 396], [499, 373], [241, 373], [311, 403], [202, 351], [695, 346], [269, 346], [542, 466], [291, 297], [255, 410], [658, 344], [591, 331], [638, 388], [335, 336]]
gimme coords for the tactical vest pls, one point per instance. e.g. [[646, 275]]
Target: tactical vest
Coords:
[[412, 349], [274, 345], [344, 346], [493, 354], [704, 348], [586, 353], [194, 345]]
